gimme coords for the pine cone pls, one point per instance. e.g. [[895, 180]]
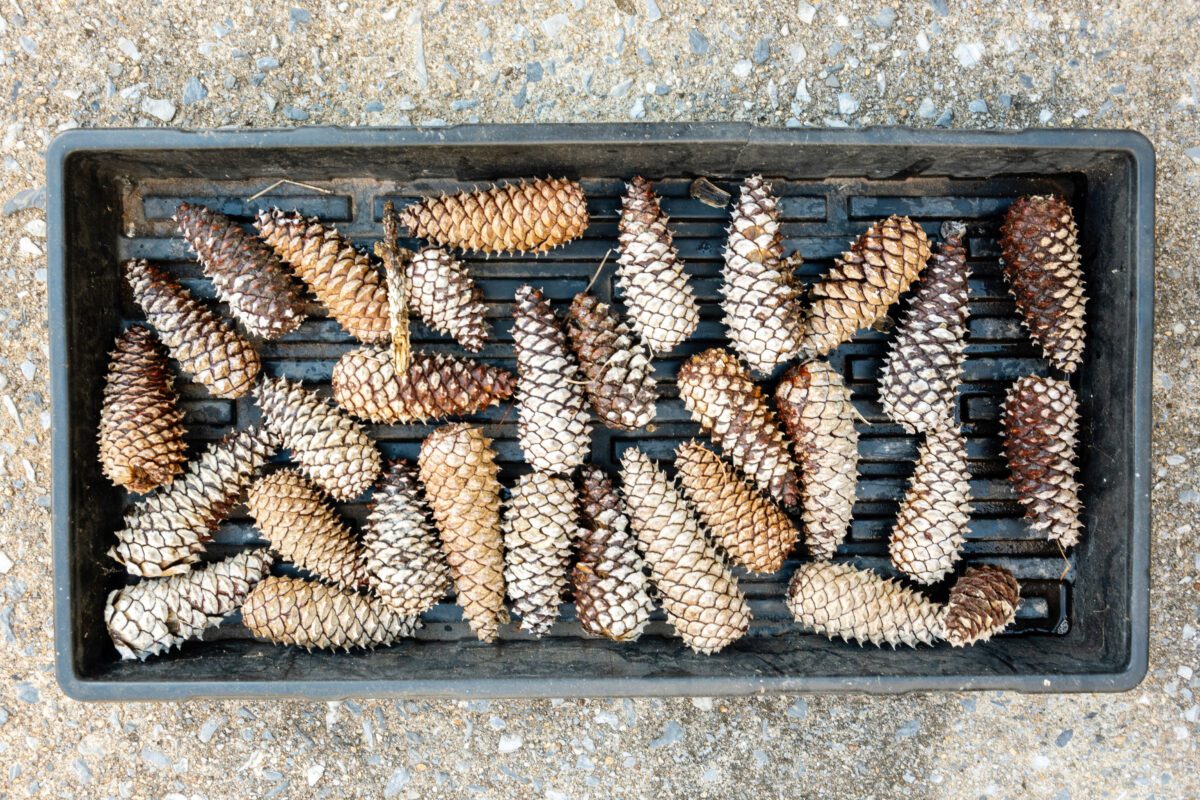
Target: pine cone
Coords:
[[932, 524], [748, 527], [982, 603], [923, 368], [318, 616], [553, 423], [819, 416], [166, 532], [1041, 427], [539, 525], [436, 386], [245, 272], [1041, 261], [154, 616], [662, 307], [458, 470], [611, 598], [760, 299], [331, 449], [620, 375], [534, 216], [206, 347], [864, 283], [141, 425], [699, 595], [343, 279], [718, 392], [445, 295]]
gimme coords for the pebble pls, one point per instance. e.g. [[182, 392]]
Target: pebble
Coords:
[[697, 42], [25, 199], [210, 727], [1039, 762], [743, 68], [978, 106], [638, 110], [672, 733], [373, 107], [847, 104], [762, 51], [1064, 737], [160, 108], [129, 49], [710, 775], [28, 45], [155, 759], [806, 12], [908, 729], [298, 16], [940, 7], [418, 47], [653, 14], [1185, 672], [293, 113], [927, 110], [266, 63], [798, 53], [520, 98], [28, 369], [398, 780], [82, 772], [885, 19], [802, 96], [533, 71], [464, 105], [922, 42], [194, 91], [608, 718], [798, 709], [945, 119], [509, 743], [969, 54], [621, 89], [1045, 115], [1192, 152], [26, 692], [553, 26], [1004, 99], [644, 55], [6, 564]]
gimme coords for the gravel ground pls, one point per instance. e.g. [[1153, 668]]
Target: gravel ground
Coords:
[[1003, 64]]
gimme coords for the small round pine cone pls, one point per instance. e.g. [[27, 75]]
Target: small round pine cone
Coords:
[[931, 527], [539, 525], [620, 375], [444, 294], [982, 603]]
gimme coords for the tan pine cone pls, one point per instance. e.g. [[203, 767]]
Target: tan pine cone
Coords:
[[525, 216], [983, 602], [245, 272], [1040, 244], [141, 424], [751, 530], [539, 525], [331, 448], [317, 616], [699, 595], [864, 283], [662, 306], [819, 416], [341, 277], [153, 616], [206, 347], [444, 294], [1041, 428], [620, 375], [458, 470], [717, 391], [436, 386], [931, 527]]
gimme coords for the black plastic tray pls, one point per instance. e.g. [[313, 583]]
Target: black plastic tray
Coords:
[[111, 195]]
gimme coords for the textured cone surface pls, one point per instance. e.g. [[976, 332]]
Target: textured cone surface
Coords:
[[405, 563], [1040, 244], [166, 532], [864, 283], [860, 606], [1041, 428], [611, 597], [923, 368], [930, 529], [759, 297], [318, 616], [141, 425], [331, 448], [700, 597], [435, 386], [294, 517], [540, 523], [718, 392], [340, 277], [662, 307], [245, 272], [816, 410], [459, 473], [206, 347], [154, 616], [748, 527], [982, 603], [444, 294], [526, 216], [552, 420], [620, 375]]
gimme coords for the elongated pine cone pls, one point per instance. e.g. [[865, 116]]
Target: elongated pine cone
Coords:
[[718, 392], [931, 527], [1041, 428], [444, 294], [526, 216], [153, 616], [611, 597], [620, 376], [662, 307], [982, 603], [166, 532], [552, 420], [458, 470], [540, 522], [699, 595], [341, 277], [816, 409], [864, 283], [331, 448], [206, 347], [318, 616], [141, 425], [245, 272], [924, 366], [1040, 244]]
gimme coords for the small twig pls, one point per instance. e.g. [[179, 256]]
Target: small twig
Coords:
[[281, 182], [599, 269], [1066, 561], [394, 261]]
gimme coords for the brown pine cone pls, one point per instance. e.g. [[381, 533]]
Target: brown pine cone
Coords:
[[141, 425], [1040, 244], [620, 376], [983, 602], [206, 347], [539, 525], [245, 272], [525, 216], [931, 527], [444, 294]]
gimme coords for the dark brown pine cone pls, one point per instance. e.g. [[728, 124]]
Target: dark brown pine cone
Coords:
[[983, 602], [620, 375]]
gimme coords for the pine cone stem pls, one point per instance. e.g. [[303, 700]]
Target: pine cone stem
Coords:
[[396, 264]]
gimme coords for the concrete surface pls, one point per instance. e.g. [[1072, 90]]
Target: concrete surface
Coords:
[[997, 64]]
